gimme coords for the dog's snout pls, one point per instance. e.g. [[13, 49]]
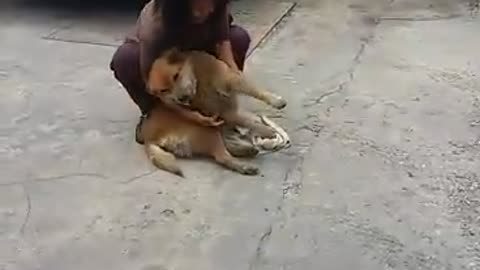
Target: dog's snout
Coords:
[[184, 99]]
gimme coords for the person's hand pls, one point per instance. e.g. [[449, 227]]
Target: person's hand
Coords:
[[213, 121], [237, 71]]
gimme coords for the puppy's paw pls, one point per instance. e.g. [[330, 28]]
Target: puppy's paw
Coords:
[[279, 103]]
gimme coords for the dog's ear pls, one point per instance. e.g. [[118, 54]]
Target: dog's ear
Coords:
[[175, 56], [158, 77]]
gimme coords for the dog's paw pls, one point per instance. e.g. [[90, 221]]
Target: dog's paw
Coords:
[[178, 172], [265, 132], [241, 167], [248, 169], [279, 103], [173, 170]]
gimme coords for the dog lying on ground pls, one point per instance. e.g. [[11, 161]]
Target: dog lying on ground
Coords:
[[195, 87]]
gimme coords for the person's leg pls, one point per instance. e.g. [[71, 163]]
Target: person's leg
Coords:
[[240, 40], [125, 65], [236, 144]]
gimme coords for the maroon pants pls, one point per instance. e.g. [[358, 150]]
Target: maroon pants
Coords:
[[126, 66]]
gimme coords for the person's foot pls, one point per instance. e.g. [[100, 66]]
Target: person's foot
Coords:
[[138, 130]]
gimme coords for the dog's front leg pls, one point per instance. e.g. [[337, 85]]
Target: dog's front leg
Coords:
[[240, 84]]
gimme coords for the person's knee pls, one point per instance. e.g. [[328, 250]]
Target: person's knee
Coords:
[[240, 39], [125, 62]]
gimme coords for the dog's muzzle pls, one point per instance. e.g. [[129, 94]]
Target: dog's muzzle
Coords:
[[184, 100]]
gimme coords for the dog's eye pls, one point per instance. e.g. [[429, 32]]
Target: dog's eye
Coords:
[[175, 77], [159, 91]]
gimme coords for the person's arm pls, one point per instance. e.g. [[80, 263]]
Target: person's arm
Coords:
[[224, 47], [225, 53], [194, 116]]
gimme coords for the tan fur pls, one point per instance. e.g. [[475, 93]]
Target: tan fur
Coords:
[[210, 87], [163, 73], [167, 134], [216, 91]]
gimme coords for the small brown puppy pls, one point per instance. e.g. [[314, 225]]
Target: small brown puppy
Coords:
[[201, 82]]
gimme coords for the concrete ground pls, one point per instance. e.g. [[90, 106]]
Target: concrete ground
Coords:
[[383, 173]]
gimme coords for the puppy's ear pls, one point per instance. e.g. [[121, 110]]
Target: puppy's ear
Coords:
[[158, 77], [175, 56]]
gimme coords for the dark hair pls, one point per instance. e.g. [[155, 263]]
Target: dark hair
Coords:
[[176, 14]]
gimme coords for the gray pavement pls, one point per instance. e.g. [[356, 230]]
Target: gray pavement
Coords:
[[383, 173]]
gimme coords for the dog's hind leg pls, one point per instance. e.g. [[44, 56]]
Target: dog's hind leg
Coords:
[[223, 157], [240, 84], [162, 159], [236, 145], [240, 148]]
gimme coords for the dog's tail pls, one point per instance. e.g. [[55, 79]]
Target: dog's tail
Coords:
[[162, 159]]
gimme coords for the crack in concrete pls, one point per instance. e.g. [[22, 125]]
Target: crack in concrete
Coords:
[[55, 178], [288, 188], [261, 248], [320, 99], [423, 19], [66, 176], [286, 13], [314, 128], [28, 210], [357, 60], [137, 177], [293, 187]]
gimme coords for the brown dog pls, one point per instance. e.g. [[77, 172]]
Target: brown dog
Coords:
[[201, 82], [168, 134]]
